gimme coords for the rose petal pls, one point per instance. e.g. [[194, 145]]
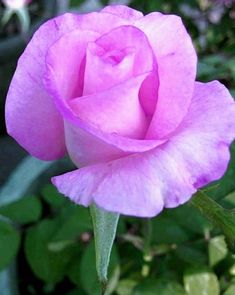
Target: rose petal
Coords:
[[123, 11], [116, 57], [143, 183], [135, 185], [176, 60], [31, 116], [98, 139], [116, 110], [66, 63], [203, 139]]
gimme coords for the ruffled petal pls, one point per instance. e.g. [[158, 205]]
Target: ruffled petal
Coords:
[[136, 185], [124, 12], [167, 176], [31, 116], [202, 141], [176, 60]]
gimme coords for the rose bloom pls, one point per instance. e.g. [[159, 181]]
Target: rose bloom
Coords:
[[116, 91], [16, 4]]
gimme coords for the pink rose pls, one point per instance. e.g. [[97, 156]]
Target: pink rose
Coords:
[[117, 91]]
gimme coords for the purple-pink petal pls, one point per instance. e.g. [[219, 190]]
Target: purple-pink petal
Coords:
[[124, 12], [142, 184], [176, 59]]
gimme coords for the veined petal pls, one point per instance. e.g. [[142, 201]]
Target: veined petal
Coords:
[[31, 116], [176, 59], [142, 184], [123, 11]]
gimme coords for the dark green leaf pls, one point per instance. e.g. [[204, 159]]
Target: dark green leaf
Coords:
[[23, 211], [51, 195], [159, 287], [9, 243], [191, 255], [49, 266], [166, 231]]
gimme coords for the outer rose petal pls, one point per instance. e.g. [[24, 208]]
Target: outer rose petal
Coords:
[[31, 116], [124, 12], [136, 185], [176, 60], [202, 141], [143, 183]]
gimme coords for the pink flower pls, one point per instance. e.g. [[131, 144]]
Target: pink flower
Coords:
[[16, 4], [117, 91]]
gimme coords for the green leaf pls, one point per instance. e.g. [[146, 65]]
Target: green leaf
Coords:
[[126, 287], [105, 227], [74, 220], [200, 281], [50, 266], [230, 290], [9, 243], [167, 231], [191, 255], [189, 218], [87, 270], [217, 250], [51, 195], [23, 211], [159, 287], [224, 219]]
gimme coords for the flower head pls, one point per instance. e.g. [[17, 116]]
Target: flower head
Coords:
[[116, 90]]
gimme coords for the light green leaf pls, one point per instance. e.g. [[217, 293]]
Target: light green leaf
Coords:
[[200, 281], [217, 250], [9, 243], [105, 227], [230, 290], [126, 287]]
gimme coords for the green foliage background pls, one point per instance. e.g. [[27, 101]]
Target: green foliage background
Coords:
[[176, 253]]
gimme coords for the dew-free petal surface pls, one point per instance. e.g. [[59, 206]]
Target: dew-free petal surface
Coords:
[[123, 12], [176, 59], [31, 116], [116, 110], [144, 183], [116, 57], [202, 142]]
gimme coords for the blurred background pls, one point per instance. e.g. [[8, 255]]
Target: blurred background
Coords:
[[46, 243]]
